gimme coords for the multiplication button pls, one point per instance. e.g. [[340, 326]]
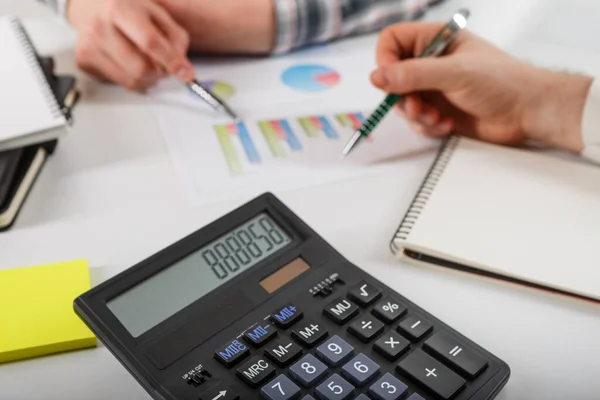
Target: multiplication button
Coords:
[[391, 345]]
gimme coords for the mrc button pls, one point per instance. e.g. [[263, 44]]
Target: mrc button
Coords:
[[232, 352], [256, 371]]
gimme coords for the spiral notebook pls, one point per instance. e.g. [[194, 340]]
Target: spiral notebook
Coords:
[[30, 112], [511, 214]]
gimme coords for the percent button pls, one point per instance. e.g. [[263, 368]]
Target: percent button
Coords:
[[389, 310]]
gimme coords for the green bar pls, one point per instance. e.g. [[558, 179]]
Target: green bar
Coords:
[[228, 149], [345, 120], [309, 128], [271, 137]]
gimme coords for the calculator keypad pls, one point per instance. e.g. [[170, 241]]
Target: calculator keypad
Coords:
[[335, 351], [334, 388], [409, 354], [308, 370]]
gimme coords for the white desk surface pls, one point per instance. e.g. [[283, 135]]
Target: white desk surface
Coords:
[[110, 194]]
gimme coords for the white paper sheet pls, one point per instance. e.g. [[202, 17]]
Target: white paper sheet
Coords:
[[302, 146]]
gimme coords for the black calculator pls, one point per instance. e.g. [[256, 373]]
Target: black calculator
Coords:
[[256, 305]]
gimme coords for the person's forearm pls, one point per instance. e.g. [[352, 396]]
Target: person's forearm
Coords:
[[242, 26], [555, 113]]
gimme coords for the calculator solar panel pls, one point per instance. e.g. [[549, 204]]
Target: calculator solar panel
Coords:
[[258, 306]]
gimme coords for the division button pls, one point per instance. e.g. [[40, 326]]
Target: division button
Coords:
[[366, 328]]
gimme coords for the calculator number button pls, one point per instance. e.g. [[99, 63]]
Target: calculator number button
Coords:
[[341, 310], [388, 387], [283, 351], [232, 352], [415, 396], [456, 354], [366, 328], [221, 392], [308, 397], [432, 374], [414, 327], [335, 351], [260, 334], [364, 293], [308, 370], [280, 388], [334, 388], [391, 345], [360, 370], [388, 310], [256, 371], [286, 316], [361, 397]]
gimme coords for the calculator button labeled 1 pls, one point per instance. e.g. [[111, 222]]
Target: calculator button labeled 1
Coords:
[[232, 352], [334, 388], [286, 316], [414, 327], [364, 293], [309, 333], [360, 370], [432, 374], [366, 328], [456, 354], [256, 371], [260, 334], [341, 310], [220, 391], [388, 387], [388, 310], [283, 351], [308, 370], [280, 388], [335, 351], [391, 345]]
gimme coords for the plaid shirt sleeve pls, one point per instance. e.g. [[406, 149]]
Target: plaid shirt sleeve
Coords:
[[302, 22]]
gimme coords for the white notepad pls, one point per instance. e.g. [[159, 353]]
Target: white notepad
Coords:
[[30, 112], [507, 213]]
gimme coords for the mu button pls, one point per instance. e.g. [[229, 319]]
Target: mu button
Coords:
[[256, 371]]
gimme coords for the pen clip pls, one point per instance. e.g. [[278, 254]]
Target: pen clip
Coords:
[[447, 34]]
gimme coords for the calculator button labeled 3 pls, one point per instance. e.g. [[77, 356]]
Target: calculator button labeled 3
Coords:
[[388, 387], [280, 388], [335, 351]]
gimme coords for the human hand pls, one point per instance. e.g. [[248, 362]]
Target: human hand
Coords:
[[478, 90], [130, 42]]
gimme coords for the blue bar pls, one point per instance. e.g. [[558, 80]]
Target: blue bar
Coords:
[[292, 140], [247, 143], [328, 129], [360, 117]]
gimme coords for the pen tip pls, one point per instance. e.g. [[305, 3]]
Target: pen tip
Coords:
[[351, 143]]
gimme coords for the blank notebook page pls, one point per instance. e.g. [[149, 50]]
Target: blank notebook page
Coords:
[[516, 213], [25, 99]]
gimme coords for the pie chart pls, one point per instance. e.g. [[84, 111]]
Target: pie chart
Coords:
[[310, 77]]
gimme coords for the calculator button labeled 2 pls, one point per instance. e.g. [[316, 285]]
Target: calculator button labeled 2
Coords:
[[308, 370], [280, 388], [334, 388], [335, 351], [364, 293]]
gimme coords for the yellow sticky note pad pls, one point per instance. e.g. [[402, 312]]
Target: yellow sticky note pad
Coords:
[[36, 310]]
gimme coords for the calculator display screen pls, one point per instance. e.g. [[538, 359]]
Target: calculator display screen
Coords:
[[174, 288]]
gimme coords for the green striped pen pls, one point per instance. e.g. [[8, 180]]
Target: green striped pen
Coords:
[[437, 46]]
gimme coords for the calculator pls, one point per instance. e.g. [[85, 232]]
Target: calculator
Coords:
[[256, 305]]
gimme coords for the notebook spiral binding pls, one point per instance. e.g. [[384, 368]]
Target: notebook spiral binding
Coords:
[[425, 191], [33, 60]]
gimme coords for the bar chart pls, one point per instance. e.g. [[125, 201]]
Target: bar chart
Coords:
[[235, 139], [316, 126], [278, 134], [351, 120]]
